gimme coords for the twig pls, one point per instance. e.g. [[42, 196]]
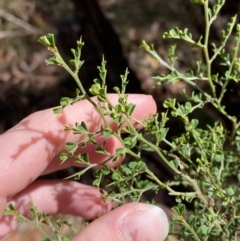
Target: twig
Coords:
[[12, 34], [19, 22]]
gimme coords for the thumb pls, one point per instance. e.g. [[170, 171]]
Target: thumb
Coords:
[[131, 222]]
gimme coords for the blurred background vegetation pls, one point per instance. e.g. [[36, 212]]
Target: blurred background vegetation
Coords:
[[113, 28]]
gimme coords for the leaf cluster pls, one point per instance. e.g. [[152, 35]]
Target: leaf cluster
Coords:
[[39, 219]]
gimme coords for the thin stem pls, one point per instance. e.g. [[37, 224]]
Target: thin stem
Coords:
[[189, 81], [141, 191], [83, 171], [160, 60], [230, 69], [167, 187], [233, 119], [190, 229], [215, 185], [179, 151], [19, 22], [159, 153], [76, 78], [221, 169], [142, 139], [224, 42], [205, 48], [202, 197], [195, 186], [39, 228]]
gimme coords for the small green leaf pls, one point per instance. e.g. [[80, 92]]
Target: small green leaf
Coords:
[[33, 209], [107, 134], [11, 207], [173, 164], [116, 117], [63, 157], [59, 223], [57, 110], [48, 41], [51, 61], [217, 158], [95, 89], [176, 211], [44, 40], [238, 132], [96, 182], [70, 145], [97, 173], [51, 39], [192, 220], [75, 53], [120, 108], [130, 108], [121, 152], [199, 161], [80, 45], [181, 208], [229, 158], [132, 165], [65, 101], [66, 238], [105, 170], [101, 150], [83, 158], [189, 198], [82, 128], [71, 226], [141, 166], [204, 229], [116, 176], [117, 90], [8, 212], [169, 103], [127, 171], [129, 142], [39, 216], [230, 191], [188, 106]]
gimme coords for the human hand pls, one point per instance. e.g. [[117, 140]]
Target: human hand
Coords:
[[32, 148]]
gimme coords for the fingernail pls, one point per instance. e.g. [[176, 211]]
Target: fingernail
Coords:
[[148, 222]]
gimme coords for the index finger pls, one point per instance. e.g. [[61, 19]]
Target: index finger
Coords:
[[28, 148]]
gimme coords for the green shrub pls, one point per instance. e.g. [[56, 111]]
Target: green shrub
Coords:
[[206, 160]]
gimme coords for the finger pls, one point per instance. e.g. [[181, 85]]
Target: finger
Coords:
[[28, 148], [53, 197], [111, 145], [131, 222]]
